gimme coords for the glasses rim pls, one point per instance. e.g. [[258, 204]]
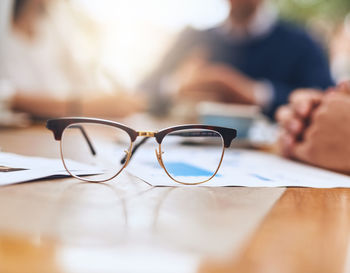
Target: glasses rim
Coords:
[[92, 150], [96, 181], [161, 162], [57, 126]]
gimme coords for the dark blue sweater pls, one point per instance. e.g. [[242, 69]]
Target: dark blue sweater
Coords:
[[286, 57]]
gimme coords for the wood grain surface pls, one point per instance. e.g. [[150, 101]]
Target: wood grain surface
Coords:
[[125, 225]]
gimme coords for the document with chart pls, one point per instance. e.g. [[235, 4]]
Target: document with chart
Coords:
[[239, 167]]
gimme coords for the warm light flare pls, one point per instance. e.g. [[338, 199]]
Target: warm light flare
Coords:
[[136, 33]]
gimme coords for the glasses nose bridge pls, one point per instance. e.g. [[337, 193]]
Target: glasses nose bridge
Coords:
[[146, 133]]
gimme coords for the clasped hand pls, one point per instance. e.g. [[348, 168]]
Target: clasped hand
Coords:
[[316, 127]]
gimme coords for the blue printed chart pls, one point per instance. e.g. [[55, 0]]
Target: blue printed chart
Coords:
[[240, 167]]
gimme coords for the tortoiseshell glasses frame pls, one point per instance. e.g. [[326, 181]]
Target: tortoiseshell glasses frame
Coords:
[[57, 126]]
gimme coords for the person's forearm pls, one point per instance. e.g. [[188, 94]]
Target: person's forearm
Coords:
[[239, 85], [98, 106], [39, 106]]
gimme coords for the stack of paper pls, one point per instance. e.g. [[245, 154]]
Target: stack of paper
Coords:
[[17, 168], [240, 168]]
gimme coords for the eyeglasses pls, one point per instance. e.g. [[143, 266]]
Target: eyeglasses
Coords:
[[108, 147]]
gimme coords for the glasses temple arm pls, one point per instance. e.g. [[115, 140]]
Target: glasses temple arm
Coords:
[[134, 149], [82, 130]]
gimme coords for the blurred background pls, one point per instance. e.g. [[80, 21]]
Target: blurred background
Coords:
[[135, 34], [129, 37], [115, 44]]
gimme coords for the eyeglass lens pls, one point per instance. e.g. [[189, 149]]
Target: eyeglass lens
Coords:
[[183, 152], [98, 145]]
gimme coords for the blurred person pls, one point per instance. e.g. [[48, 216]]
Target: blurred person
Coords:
[[48, 76], [315, 127], [252, 58]]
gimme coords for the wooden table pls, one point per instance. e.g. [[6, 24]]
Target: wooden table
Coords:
[[125, 225]]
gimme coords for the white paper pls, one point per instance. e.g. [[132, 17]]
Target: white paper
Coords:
[[243, 168], [36, 168]]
